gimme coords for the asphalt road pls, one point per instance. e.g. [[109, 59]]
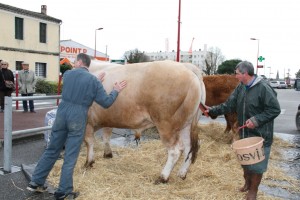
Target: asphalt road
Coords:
[[289, 100]]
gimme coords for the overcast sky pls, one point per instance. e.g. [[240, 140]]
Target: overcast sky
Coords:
[[146, 24]]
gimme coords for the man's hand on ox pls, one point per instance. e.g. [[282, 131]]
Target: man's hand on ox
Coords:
[[119, 86], [101, 76], [206, 111]]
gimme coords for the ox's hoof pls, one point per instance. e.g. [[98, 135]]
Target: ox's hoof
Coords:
[[183, 177], [182, 174], [107, 155], [89, 164], [161, 180]]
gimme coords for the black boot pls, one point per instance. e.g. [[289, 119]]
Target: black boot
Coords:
[[246, 186], [254, 183]]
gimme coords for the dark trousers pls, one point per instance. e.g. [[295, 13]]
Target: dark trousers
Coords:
[[2, 95], [31, 105]]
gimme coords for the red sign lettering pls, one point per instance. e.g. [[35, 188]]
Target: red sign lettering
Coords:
[[72, 50]]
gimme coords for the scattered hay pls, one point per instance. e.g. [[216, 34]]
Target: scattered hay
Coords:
[[132, 172]]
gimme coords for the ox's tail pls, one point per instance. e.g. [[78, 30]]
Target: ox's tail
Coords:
[[195, 145]]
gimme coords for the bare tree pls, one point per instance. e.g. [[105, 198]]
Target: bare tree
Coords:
[[213, 59], [136, 56]]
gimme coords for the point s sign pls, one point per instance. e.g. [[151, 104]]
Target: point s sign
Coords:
[[72, 50]]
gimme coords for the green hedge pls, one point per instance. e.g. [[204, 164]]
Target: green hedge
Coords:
[[47, 87]]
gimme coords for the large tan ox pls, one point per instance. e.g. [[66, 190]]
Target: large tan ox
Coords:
[[218, 89], [164, 94]]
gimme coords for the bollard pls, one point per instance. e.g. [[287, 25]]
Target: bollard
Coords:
[[17, 90], [7, 134]]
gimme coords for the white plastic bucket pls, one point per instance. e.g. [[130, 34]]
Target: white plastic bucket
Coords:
[[249, 150]]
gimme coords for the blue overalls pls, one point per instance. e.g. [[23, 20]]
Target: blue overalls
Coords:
[[80, 89]]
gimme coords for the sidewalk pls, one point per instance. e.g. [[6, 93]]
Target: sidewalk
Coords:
[[27, 149]]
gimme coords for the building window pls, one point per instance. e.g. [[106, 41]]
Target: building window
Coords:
[[40, 70], [19, 65], [19, 27], [43, 32]]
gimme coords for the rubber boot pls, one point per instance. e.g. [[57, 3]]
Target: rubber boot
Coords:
[[254, 183], [246, 186]]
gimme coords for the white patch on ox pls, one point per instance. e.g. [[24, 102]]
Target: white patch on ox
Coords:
[[186, 144], [173, 156]]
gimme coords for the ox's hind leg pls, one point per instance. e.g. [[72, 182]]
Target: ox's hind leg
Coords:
[[89, 140], [106, 135], [185, 142], [174, 152]]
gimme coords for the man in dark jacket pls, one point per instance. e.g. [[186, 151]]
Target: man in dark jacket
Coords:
[[5, 75], [256, 104], [81, 89]]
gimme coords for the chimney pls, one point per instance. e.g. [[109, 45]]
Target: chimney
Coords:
[[44, 9]]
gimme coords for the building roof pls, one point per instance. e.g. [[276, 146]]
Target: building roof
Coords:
[[28, 13]]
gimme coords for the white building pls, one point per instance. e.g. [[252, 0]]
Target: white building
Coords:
[[195, 57]]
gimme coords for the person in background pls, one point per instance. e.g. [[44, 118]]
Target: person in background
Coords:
[[256, 104], [81, 89], [6, 75], [27, 81]]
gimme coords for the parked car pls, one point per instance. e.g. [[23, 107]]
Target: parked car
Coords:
[[274, 84], [298, 119], [278, 84], [282, 85]]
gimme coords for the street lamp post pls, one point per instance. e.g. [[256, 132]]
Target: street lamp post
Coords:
[[98, 29], [269, 73], [257, 52]]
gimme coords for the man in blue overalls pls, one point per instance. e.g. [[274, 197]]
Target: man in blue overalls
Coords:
[[81, 88]]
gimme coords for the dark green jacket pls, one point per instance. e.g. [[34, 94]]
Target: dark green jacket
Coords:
[[258, 103]]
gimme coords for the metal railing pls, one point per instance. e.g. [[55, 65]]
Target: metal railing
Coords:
[[8, 133]]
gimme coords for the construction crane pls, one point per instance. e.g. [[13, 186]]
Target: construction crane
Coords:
[[191, 47]]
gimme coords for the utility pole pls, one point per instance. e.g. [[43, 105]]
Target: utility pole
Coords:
[[178, 34]]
